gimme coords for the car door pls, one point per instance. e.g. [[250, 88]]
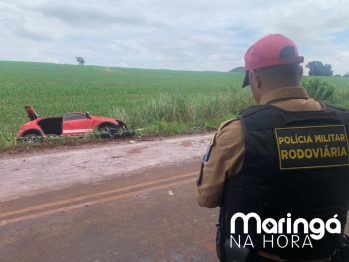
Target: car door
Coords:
[[76, 124]]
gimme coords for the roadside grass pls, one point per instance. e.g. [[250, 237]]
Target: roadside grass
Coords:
[[167, 114], [148, 101], [330, 89], [174, 113]]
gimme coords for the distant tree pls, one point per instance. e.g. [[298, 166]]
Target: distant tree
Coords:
[[238, 69], [328, 70], [346, 74], [337, 75], [317, 68], [80, 60]]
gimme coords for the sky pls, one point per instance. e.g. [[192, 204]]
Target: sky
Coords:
[[194, 35]]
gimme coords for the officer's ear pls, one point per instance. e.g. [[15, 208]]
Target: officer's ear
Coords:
[[255, 79]]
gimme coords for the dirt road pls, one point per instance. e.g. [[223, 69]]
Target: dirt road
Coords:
[[29, 174], [118, 202]]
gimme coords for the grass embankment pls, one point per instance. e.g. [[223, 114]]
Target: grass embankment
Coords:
[[151, 101]]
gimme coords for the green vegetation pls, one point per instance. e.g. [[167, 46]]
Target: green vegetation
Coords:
[[320, 90], [150, 101], [334, 90]]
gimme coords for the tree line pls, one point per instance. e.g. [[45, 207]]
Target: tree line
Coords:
[[316, 68]]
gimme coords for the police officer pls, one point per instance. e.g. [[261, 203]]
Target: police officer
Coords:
[[284, 159]]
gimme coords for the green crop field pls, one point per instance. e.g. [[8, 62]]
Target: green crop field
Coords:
[[151, 101]]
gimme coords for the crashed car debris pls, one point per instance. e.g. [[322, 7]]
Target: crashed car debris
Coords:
[[74, 124]]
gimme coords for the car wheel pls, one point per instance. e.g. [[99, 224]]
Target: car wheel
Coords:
[[117, 135], [106, 130], [129, 133], [32, 138]]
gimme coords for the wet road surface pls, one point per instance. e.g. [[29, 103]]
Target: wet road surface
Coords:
[[144, 216]]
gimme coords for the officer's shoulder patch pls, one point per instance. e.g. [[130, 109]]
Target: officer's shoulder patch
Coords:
[[209, 148], [226, 123]]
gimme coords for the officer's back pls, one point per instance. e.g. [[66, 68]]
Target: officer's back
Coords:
[[280, 171]]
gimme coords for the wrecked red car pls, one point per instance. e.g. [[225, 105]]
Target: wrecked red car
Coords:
[[71, 124]]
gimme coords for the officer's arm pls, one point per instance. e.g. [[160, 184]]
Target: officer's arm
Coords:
[[225, 160]]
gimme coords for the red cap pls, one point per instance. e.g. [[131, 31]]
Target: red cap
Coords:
[[270, 51]]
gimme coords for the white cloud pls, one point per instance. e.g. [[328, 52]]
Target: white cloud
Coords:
[[195, 35]]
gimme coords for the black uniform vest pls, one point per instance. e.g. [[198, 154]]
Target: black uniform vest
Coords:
[[263, 188]]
